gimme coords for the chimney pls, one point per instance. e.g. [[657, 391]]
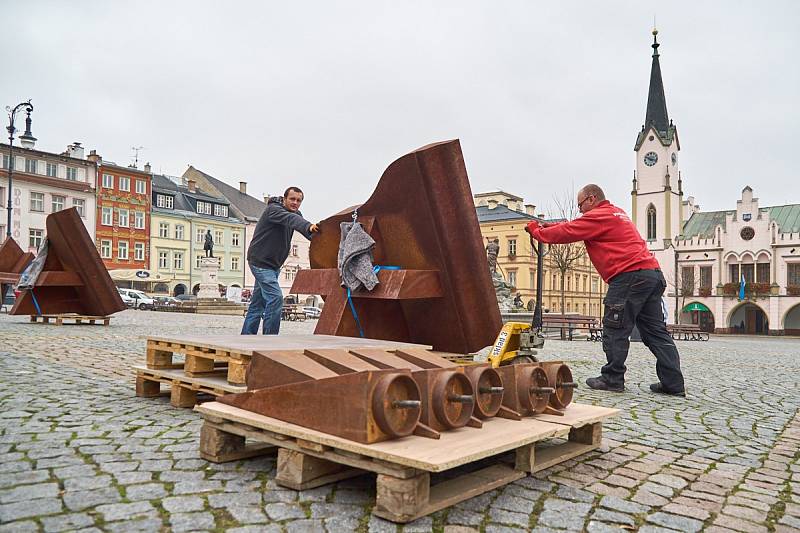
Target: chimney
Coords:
[[243, 187], [266, 198], [530, 209], [192, 185], [94, 157], [75, 150], [492, 203], [147, 167]]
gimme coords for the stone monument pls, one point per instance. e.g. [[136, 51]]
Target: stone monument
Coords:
[[209, 286]]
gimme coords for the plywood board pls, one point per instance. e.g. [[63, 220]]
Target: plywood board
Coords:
[[461, 446], [247, 344], [579, 414]]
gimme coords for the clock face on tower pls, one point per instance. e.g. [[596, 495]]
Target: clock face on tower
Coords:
[[650, 159], [674, 159]]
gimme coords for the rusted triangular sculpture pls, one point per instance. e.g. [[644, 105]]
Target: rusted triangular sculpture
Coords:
[[12, 262], [74, 279], [423, 220]]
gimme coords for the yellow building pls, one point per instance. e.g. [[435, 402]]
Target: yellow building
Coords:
[[504, 216]]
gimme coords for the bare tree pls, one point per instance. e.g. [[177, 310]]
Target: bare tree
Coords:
[[564, 256], [683, 283]]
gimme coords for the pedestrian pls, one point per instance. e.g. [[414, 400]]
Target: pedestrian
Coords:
[[268, 250], [635, 288]]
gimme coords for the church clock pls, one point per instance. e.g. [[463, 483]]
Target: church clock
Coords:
[[650, 159]]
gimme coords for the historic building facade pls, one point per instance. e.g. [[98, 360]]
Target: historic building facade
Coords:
[[731, 271], [123, 215], [504, 216], [43, 183]]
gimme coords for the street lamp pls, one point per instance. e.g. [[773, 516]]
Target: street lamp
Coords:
[[26, 138]]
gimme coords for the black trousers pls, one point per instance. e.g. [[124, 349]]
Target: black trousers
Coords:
[[635, 298]]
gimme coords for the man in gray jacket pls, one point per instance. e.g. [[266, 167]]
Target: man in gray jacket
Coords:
[[265, 256]]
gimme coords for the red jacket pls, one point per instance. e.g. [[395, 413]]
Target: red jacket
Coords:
[[612, 241]]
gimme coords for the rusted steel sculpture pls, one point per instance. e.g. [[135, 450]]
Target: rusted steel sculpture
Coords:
[[12, 262], [559, 377], [526, 388], [281, 367], [74, 279], [448, 399], [489, 390], [422, 218], [365, 407]]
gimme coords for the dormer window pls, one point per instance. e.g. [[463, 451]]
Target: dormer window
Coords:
[[220, 210], [203, 208], [165, 201]]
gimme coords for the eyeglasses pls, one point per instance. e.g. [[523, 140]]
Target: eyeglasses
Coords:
[[580, 204]]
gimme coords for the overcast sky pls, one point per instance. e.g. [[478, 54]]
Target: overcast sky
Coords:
[[325, 95]]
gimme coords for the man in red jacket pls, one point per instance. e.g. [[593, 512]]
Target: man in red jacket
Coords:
[[635, 287]]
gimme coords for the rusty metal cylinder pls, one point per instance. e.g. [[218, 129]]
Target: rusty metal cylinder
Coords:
[[559, 377], [452, 399], [540, 390], [489, 390], [396, 405]]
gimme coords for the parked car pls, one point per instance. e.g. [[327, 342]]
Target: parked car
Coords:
[[185, 297], [140, 299], [312, 312], [167, 301], [126, 298]]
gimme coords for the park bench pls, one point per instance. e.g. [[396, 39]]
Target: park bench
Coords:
[[293, 313], [569, 323], [687, 332]]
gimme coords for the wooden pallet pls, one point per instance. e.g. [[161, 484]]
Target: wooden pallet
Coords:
[[75, 319], [184, 389], [204, 354], [308, 458]]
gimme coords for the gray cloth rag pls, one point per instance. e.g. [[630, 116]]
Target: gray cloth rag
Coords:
[[355, 257]]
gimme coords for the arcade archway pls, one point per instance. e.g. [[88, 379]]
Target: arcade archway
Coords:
[[748, 319]]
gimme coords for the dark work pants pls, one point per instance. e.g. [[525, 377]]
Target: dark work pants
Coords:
[[635, 298]]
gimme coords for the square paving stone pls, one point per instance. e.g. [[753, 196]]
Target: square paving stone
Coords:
[[27, 526], [183, 504], [125, 511], [87, 483], [28, 492], [66, 522], [305, 526], [234, 499], [463, 517], [513, 503], [284, 511], [128, 478], [193, 487], [331, 510], [28, 508], [604, 515], [508, 517], [147, 491], [86, 499], [561, 520], [578, 495], [248, 514], [21, 478], [145, 525], [191, 521], [341, 523], [681, 523]]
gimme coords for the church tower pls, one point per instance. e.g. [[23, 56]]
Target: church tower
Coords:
[[657, 192]]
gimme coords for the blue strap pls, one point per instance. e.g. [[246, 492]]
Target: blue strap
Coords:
[[36, 303], [375, 269]]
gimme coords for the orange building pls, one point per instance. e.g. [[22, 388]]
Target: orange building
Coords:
[[123, 215]]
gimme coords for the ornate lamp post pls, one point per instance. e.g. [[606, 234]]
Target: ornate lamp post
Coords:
[[26, 138]]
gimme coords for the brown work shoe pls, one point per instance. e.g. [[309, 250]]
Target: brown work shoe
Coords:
[[658, 388], [601, 384]]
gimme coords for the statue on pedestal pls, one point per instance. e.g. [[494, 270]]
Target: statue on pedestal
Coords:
[[492, 250], [208, 244]]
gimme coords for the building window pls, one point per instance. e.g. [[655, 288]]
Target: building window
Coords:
[[30, 166], [37, 202], [287, 273], [125, 183], [687, 281], [220, 210], [138, 219], [219, 238], [108, 181], [177, 260], [705, 277], [651, 222], [512, 278], [234, 239], [163, 260], [52, 170], [200, 235], [179, 231], [163, 230], [734, 273], [762, 272], [204, 208], [141, 187], [80, 205], [123, 218], [106, 218], [35, 238], [105, 249], [57, 202], [749, 272], [793, 274], [234, 263], [138, 251], [165, 201], [294, 250], [512, 247], [122, 250], [72, 175], [5, 161], [197, 261]]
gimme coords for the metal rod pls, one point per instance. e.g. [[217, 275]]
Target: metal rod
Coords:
[[461, 398], [490, 390], [406, 404], [543, 390], [569, 385]]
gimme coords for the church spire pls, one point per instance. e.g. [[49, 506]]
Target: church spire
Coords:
[[656, 102]]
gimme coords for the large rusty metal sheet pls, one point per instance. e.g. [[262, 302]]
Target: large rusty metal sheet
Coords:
[[423, 220], [12, 261], [74, 279]]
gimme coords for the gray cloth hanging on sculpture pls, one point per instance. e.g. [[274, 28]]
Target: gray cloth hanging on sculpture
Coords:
[[355, 257]]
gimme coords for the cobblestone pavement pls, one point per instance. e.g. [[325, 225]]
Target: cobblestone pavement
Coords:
[[78, 451]]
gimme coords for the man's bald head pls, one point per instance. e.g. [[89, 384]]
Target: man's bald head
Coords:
[[593, 190]]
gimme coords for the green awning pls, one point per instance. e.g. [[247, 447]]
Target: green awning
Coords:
[[696, 306]]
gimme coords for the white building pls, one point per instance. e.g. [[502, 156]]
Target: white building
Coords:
[[705, 256], [43, 183]]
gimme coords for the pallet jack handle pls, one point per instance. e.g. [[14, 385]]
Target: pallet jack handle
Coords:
[[536, 323]]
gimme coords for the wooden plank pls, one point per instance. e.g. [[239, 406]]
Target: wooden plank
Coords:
[[198, 365], [402, 500], [578, 414], [558, 453], [457, 447], [247, 344], [300, 471], [208, 382]]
